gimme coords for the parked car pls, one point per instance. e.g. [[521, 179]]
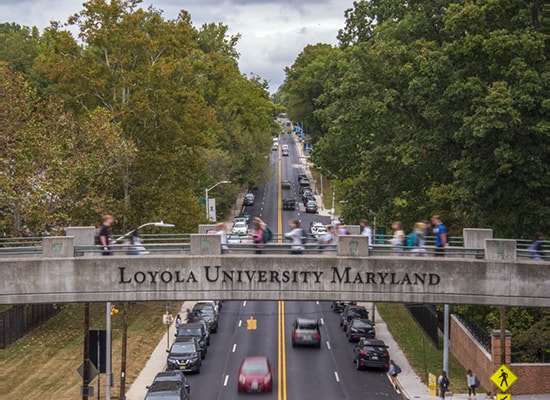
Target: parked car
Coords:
[[371, 353], [302, 176], [275, 147], [339, 305], [245, 216], [196, 330], [217, 304], [197, 320], [240, 228], [208, 313], [350, 312], [311, 207], [360, 328], [248, 199], [307, 198], [304, 189], [304, 182], [235, 238], [172, 376], [305, 332], [255, 375], [285, 184], [166, 390], [184, 355]]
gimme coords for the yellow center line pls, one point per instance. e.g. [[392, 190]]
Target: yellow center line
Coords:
[[281, 364], [279, 197]]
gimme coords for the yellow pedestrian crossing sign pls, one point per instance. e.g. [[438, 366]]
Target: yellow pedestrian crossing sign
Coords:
[[251, 324], [504, 378], [504, 396]]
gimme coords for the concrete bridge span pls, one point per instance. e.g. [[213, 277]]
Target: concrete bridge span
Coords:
[[349, 274]]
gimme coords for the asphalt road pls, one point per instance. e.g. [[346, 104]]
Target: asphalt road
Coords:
[[299, 373]]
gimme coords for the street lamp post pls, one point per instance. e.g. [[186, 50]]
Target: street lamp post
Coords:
[[206, 198]]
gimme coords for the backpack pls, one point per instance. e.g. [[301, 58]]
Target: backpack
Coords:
[[397, 369], [267, 235], [412, 239], [476, 380], [444, 382]]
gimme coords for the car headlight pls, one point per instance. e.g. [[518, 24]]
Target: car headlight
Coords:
[[242, 379]]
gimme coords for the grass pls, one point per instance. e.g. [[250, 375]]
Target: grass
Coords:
[[422, 358], [43, 364]]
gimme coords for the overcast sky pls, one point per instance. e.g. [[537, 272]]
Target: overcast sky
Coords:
[[273, 32]]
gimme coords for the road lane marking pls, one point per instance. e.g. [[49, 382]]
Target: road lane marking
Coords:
[[234, 347], [225, 380], [328, 345], [244, 303], [336, 376], [281, 356], [322, 322], [240, 322]]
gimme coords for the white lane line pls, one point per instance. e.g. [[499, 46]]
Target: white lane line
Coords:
[[336, 376], [328, 345], [225, 380], [240, 322], [234, 347], [244, 303], [317, 302], [322, 322]]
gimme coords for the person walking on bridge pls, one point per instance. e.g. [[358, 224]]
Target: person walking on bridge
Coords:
[[105, 234], [296, 233], [440, 233]]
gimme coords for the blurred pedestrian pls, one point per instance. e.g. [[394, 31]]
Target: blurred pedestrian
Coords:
[[258, 234], [535, 250], [296, 234], [394, 370], [326, 241], [473, 383], [398, 239], [440, 233], [106, 235], [416, 240], [136, 244], [366, 230]]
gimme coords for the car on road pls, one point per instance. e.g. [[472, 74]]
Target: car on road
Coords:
[[217, 304], [195, 330], [166, 390], [184, 355], [307, 197], [305, 189], [240, 228], [285, 153], [285, 184], [306, 332], [350, 312], [275, 146], [311, 207], [371, 353], [207, 313], [360, 328], [245, 216], [302, 176], [304, 182], [338, 305], [172, 376], [255, 375], [285, 147], [248, 199]]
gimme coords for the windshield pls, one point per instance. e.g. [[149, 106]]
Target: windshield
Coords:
[[204, 311], [181, 348], [189, 331], [361, 324]]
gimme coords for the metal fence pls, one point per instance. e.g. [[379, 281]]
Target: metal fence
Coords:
[[479, 333], [21, 319], [429, 319]]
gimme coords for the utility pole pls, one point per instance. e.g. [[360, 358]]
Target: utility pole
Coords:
[[86, 365], [502, 335], [122, 395]]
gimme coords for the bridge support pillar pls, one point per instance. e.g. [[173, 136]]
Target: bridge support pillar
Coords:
[[205, 228], [205, 245], [353, 246], [500, 249], [58, 246], [475, 239]]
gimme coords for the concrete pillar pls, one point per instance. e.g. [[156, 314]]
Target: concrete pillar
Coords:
[[354, 230], [500, 249], [83, 235], [475, 238], [205, 228], [353, 246], [58, 246], [205, 245]]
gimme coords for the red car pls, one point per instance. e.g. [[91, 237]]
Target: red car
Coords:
[[255, 375]]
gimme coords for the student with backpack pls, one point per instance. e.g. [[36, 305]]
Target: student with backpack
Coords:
[[296, 233], [415, 239], [394, 370], [473, 383], [443, 383]]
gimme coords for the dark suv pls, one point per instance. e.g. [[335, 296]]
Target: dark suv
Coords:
[[305, 332], [166, 390], [207, 313], [350, 312], [184, 355], [371, 353], [339, 305], [360, 328], [194, 330]]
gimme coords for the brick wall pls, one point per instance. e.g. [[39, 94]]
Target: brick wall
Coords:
[[472, 356]]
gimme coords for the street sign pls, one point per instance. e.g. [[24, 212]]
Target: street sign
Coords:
[[251, 324], [167, 318], [92, 370], [504, 378], [504, 396]]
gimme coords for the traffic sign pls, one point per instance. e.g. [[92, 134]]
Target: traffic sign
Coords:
[[167, 319], [504, 396], [504, 378], [92, 371], [251, 324]]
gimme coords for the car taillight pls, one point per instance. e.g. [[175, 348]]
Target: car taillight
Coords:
[[318, 336], [294, 335], [386, 354], [363, 353]]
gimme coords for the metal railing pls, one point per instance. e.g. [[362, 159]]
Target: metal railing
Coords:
[[482, 336]]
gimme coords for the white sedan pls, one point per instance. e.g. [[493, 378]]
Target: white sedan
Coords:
[[240, 228]]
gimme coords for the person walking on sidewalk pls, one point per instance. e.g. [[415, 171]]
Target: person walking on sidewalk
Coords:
[[443, 383], [394, 370], [473, 383]]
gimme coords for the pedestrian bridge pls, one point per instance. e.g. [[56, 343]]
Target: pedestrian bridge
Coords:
[[65, 272]]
